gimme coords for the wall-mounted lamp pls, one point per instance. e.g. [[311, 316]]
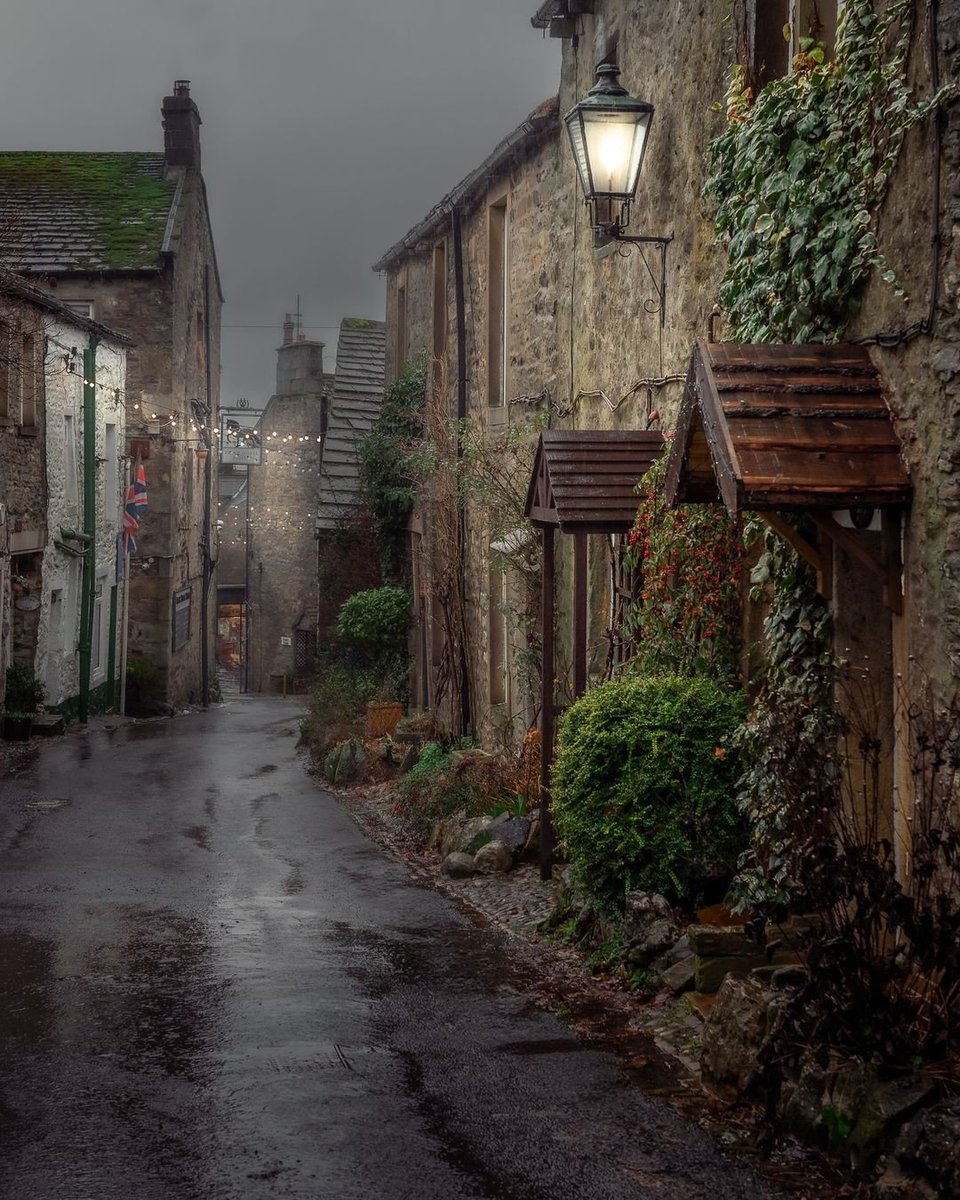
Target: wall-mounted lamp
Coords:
[[608, 134]]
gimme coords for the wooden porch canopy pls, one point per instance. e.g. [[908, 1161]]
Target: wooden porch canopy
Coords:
[[774, 428], [583, 481]]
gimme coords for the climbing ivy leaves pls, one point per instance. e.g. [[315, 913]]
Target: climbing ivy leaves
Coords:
[[800, 176]]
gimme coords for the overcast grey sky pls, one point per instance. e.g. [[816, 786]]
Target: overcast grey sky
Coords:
[[329, 129]]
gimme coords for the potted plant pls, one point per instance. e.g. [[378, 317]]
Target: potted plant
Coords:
[[376, 621], [23, 696]]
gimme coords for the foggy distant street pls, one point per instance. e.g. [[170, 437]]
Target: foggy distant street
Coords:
[[213, 985]]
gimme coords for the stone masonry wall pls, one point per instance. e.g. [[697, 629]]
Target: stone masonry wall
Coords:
[[58, 630], [282, 593], [167, 317], [23, 498], [580, 323]]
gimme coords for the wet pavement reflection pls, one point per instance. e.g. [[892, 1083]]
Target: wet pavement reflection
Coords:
[[213, 986]]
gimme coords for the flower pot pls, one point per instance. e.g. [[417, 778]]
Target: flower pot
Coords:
[[17, 728], [382, 717]]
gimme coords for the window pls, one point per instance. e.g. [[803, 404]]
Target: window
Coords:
[[97, 665], [439, 315], [497, 633], [111, 500], [497, 304], [181, 617], [401, 344], [69, 459], [304, 649], [769, 33], [83, 308], [4, 372], [28, 380], [54, 647]]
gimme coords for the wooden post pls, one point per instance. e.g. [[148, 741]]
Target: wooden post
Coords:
[[579, 614], [546, 703]]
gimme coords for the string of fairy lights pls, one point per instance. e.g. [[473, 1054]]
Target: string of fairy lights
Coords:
[[291, 454]]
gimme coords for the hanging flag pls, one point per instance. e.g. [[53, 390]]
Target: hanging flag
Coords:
[[136, 506]]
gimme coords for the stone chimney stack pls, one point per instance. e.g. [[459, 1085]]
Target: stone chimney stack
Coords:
[[288, 329], [181, 127]]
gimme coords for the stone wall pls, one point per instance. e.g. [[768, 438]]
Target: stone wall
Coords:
[[583, 322], [59, 615], [282, 592], [173, 318], [23, 528]]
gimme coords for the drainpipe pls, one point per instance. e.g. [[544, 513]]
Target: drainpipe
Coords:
[[466, 715], [89, 522], [207, 540]]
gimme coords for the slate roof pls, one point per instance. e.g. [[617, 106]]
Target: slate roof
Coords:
[[352, 410], [773, 427], [540, 124], [72, 212]]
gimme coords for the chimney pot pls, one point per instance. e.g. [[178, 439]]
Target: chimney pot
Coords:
[[288, 329], [181, 127]]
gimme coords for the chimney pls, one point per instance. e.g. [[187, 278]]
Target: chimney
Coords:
[[181, 127], [288, 329]]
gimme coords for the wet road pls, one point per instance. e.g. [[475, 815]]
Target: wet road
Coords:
[[213, 986]]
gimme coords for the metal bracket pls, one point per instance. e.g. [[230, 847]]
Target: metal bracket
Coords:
[[624, 243]]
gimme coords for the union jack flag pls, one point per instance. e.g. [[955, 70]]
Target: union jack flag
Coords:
[[136, 506]]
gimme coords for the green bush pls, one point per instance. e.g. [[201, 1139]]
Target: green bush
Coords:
[[376, 620], [338, 703], [432, 790], [643, 788], [24, 692]]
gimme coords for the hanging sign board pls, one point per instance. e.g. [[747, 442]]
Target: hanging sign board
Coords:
[[239, 444]]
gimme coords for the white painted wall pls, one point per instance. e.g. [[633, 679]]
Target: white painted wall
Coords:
[[57, 647]]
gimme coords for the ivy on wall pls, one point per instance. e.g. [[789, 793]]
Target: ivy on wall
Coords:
[[387, 470], [685, 619], [800, 176]]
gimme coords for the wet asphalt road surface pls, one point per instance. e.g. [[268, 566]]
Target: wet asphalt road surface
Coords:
[[213, 986]]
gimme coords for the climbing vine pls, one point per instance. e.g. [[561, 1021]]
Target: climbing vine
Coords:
[[789, 785], [387, 467], [685, 619], [800, 176]]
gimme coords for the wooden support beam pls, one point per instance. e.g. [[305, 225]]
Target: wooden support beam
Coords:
[[822, 562], [547, 714], [579, 614], [852, 542], [893, 560]]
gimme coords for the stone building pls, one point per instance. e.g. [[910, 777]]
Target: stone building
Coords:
[[125, 238], [547, 310], [346, 548], [476, 289], [62, 427], [307, 539], [281, 578]]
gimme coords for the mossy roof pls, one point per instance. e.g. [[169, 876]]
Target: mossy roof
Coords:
[[63, 212]]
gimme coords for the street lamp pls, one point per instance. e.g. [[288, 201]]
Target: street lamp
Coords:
[[608, 132]]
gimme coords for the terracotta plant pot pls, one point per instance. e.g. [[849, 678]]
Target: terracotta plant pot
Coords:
[[382, 717]]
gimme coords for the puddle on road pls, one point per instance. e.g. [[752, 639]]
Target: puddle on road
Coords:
[[543, 1046], [199, 834], [26, 1002]]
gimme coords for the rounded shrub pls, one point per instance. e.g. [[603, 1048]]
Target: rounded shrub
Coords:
[[643, 788], [376, 620]]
